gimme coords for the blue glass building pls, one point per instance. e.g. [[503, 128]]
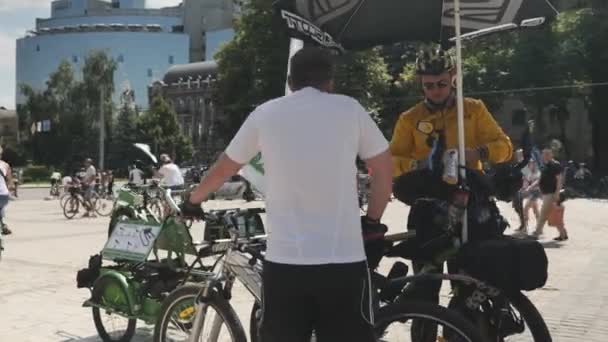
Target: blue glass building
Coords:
[[145, 42]]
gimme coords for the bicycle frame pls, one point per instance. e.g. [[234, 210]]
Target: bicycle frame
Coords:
[[175, 239], [1, 243], [427, 271], [232, 265]]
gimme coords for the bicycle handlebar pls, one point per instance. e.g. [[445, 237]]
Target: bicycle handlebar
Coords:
[[253, 251], [400, 236], [169, 199]]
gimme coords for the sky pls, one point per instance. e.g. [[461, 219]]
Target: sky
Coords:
[[18, 16]]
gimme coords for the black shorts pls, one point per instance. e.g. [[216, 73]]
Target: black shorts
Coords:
[[332, 299]]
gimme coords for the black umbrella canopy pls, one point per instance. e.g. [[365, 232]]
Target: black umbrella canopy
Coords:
[[361, 24]]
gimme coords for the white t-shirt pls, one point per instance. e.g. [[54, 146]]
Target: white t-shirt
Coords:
[[3, 181], [90, 175], [530, 177], [65, 181], [309, 142], [171, 174], [136, 176]]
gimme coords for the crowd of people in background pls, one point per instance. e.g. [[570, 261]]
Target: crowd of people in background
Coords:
[[544, 181], [91, 180]]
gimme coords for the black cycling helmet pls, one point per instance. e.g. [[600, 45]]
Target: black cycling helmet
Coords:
[[434, 61]]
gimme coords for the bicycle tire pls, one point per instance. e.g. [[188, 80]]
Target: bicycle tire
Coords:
[[530, 314], [71, 207], [156, 208], [93, 201], [216, 301], [412, 309], [97, 294], [254, 322], [63, 199], [102, 205], [399, 311]]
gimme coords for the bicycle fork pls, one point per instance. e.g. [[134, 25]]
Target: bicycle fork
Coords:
[[201, 307]]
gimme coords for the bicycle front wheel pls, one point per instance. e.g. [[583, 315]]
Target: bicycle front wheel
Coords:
[[111, 323], [63, 199], [104, 206], [394, 324], [70, 209], [156, 208], [535, 327], [176, 318]]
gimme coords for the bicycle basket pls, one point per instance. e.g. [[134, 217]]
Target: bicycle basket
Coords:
[[506, 262], [130, 198], [247, 226]]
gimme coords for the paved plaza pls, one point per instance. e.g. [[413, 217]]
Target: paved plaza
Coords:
[[39, 300]]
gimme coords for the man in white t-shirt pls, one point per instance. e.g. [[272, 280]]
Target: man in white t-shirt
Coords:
[[136, 175], [315, 275], [171, 176], [6, 181], [88, 182]]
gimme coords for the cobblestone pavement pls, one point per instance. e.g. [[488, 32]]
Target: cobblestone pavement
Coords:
[[39, 300]]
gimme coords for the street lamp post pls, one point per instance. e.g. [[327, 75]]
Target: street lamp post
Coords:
[[102, 128]]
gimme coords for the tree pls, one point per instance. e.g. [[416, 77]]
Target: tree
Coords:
[[580, 58], [263, 43], [160, 128], [124, 134], [72, 107], [597, 71], [54, 104], [252, 68], [98, 80], [364, 76]]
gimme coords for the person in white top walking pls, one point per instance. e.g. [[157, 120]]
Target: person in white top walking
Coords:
[[88, 183], [6, 181], [531, 191], [171, 175], [315, 274], [136, 175]]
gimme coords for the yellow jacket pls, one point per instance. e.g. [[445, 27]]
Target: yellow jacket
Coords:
[[409, 142]]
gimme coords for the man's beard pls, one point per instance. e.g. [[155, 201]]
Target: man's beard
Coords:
[[435, 106]]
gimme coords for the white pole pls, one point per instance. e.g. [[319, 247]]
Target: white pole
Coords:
[[249, 172], [295, 45], [102, 128], [460, 108]]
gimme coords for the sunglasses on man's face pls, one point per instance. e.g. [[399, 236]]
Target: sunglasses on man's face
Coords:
[[431, 85]]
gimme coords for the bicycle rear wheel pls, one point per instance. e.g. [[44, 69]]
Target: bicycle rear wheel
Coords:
[[111, 323], [71, 207], [63, 199], [176, 318], [104, 206], [394, 324], [534, 329]]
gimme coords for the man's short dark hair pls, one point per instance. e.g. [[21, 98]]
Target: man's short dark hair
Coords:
[[311, 67]]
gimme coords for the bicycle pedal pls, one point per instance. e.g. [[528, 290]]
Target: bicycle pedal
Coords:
[[510, 324]]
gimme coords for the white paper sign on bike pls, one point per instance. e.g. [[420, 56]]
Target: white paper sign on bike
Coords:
[[254, 173], [131, 241]]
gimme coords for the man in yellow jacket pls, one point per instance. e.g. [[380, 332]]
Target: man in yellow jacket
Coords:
[[417, 130], [484, 139]]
